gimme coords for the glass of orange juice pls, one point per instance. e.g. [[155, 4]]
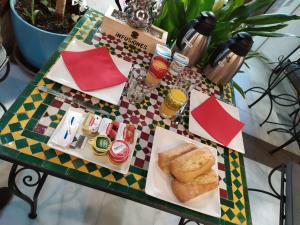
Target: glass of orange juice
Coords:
[[175, 99]]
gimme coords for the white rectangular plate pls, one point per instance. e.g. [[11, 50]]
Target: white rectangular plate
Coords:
[[60, 74], [198, 98], [158, 183], [87, 153]]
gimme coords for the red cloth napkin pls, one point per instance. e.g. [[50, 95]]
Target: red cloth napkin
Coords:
[[213, 118], [93, 69]]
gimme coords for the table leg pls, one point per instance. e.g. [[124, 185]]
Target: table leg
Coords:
[[29, 182], [184, 221]]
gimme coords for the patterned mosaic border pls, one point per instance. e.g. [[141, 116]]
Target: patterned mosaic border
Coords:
[[20, 135]]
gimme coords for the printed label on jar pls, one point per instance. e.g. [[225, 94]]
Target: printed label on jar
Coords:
[[159, 66]]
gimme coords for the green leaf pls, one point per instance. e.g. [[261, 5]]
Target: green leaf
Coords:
[[229, 8], [51, 10], [270, 19], [265, 28], [271, 34], [45, 3], [221, 33], [195, 7], [27, 13], [218, 5], [257, 54], [162, 15], [34, 15], [256, 5], [238, 88]]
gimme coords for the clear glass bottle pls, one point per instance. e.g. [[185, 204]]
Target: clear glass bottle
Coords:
[[178, 63]]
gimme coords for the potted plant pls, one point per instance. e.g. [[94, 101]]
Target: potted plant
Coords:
[[41, 25], [233, 17]]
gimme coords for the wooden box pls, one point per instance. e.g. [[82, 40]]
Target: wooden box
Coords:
[[145, 40]]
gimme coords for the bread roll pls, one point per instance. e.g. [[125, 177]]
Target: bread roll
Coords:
[[204, 183], [164, 158], [192, 164]]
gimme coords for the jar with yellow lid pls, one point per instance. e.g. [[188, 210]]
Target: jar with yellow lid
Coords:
[[175, 99]]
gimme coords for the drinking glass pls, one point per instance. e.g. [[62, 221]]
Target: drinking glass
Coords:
[[174, 100], [137, 88]]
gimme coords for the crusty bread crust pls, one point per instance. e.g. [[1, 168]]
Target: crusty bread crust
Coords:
[[187, 191], [166, 157], [192, 164]]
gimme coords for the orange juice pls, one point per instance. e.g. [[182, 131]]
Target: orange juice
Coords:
[[173, 102]]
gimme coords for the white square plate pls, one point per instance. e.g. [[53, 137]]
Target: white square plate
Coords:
[[198, 98], [158, 183], [60, 74]]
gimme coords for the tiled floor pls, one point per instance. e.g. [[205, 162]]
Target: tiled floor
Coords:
[[258, 76], [78, 205]]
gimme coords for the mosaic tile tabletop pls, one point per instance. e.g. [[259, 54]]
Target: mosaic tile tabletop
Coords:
[[27, 126]]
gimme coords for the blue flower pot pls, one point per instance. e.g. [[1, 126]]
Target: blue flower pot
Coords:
[[35, 44]]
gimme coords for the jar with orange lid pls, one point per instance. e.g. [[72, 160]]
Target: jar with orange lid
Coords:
[[174, 100], [159, 65]]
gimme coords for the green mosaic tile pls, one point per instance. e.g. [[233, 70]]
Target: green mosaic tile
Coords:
[[54, 167], [64, 158], [241, 217], [138, 171], [53, 124], [238, 194], [34, 136], [230, 214], [15, 127], [117, 176], [130, 179], [36, 97], [91, 167], [118, 187], [6, 138], [29, 106], [104, 171], [96, 181], [22, 143], [30, 159], [235, 164], [142, 183], [79, 176], [53, 117], [235, 173], [31, 124], [22, 116], [40, 111], [36, 148], [50, 153], [48, 100], [61, 112], [234, 155], [5, 119], [16, 105], [227, 202], [8, 152], [77, 163], [239, 205], [237, 183]]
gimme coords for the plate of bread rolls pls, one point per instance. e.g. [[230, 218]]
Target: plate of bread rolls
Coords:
[[184, 172]]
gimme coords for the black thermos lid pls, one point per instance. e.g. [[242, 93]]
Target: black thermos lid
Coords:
[[241, 43], [206, 23]]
